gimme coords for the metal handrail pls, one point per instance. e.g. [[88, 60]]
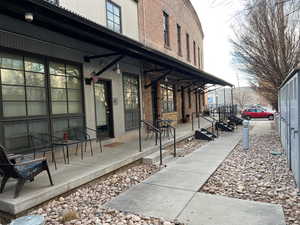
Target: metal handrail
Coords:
[[98, 137], [157, 131], [174, 130], [213, 123]]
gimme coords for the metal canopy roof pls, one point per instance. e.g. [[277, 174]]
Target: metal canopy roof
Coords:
[[68, 23]]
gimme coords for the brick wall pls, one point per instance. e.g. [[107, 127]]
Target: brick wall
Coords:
[[180, 12]]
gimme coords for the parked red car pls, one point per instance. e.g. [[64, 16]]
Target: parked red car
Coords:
[[257, 113]]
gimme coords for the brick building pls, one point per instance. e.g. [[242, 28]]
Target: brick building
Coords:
[[172, 27]]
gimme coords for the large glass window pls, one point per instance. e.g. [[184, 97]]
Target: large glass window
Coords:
[[24, 108], [167, 98], [131, 101], [23, 86], [113, 16], [65, 89]]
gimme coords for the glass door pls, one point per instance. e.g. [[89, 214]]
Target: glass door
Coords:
[[103, 108]]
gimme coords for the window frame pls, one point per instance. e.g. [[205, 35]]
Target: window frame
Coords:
[[179, 41], [194, 49], [188, 53], [166, 29], [48, 118], [165, 88], [120, 17]]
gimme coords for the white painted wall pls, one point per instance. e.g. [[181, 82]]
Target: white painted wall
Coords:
[[117, 93], [95, 10]]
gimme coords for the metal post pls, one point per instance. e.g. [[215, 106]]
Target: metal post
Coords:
[[192, 121], [199, 120], [140, 136], [174, 142], [160, 149]]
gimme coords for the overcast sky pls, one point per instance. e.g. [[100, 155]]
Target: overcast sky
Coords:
[[216, 17]]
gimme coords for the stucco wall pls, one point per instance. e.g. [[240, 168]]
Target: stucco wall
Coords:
[[95, 10]]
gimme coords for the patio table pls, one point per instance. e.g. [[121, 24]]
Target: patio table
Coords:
[[164, 124], [67, 143]]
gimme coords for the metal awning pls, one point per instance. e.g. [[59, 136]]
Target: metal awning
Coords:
[[70, 24]]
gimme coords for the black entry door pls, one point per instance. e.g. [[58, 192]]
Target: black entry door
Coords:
[[103, 103]]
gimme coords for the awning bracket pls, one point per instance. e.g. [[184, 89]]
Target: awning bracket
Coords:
[[158, 79], [89, 58]]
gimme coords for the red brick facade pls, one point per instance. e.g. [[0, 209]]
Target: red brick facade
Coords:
[[151, 23]]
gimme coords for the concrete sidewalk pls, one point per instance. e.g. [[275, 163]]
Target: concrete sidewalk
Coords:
[[173, 193]]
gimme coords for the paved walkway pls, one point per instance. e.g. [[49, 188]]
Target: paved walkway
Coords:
[[173, 193]]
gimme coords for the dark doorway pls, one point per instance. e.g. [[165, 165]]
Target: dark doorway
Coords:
[[103, 105]]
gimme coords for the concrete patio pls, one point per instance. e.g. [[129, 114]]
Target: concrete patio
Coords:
[[79, 172]]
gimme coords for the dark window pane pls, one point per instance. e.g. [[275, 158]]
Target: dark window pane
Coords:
[[74, 95], [34, 65], [58, 94], [14, 109], [59, 127], [57, 68], [36, 108], [75, 107], [36, 94], [10, 93], [35, 79], [11, 61], [16, 136], [73, 83], [12, 77], [59, 107], [73, 71], [58, 81]]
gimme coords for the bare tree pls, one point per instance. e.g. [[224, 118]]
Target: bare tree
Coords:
[[267, 44]]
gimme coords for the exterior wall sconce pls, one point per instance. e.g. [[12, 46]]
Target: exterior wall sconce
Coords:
[[29, 17], [117, 69]]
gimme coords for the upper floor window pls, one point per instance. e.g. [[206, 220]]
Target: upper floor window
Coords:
[[188, 47], [54, 2], [179, 40], [113, 16], [166, 29], [199, 61], [194, 49]]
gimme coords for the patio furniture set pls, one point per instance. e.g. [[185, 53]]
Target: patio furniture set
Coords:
[[25, 167]]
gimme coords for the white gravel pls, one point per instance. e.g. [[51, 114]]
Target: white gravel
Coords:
[[84, 205], [259, 176]]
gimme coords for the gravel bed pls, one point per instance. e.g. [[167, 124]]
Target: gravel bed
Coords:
[[84, 205], [258, 175]]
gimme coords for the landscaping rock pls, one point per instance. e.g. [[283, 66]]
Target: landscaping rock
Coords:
[[259, 176]]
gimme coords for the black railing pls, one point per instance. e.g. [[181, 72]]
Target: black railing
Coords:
[[213, 122], [157, 132], [174, 136]]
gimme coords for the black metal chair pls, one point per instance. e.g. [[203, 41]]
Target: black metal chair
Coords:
[[82, 136], [42, 143], [22, 171]]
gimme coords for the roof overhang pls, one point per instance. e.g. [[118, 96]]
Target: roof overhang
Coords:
[[60, 20]]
